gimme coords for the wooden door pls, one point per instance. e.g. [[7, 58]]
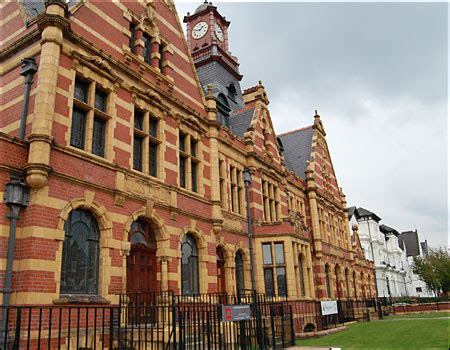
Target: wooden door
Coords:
[[220, 271], [141, 269]]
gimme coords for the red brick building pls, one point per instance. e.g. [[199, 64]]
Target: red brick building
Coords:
[[134, 151]]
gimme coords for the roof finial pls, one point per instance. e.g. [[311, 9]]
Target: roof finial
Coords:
[[209, 89], [316, 115]]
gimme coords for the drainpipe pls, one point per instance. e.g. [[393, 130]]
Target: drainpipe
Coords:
[[247, 177], [29, 68], [16, 196]]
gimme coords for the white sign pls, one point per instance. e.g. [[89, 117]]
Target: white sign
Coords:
[[329, 307]]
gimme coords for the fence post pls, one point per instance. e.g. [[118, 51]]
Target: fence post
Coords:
[[272, 325], [111, 327], [174, 323], [292, 327], [18, 325], [257, 306]]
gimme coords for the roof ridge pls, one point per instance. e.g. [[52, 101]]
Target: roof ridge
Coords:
[[294, 131]]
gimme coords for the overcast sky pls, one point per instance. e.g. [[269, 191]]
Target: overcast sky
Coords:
[[378, 75]]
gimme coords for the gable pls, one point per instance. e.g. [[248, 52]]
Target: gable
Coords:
[[107, 25], [322, 165]]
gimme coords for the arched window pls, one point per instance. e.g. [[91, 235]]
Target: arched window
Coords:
[[240, 279], [327, 280], [355, 290], [142, 234], [301, 276], [189, 266], [79, 271]]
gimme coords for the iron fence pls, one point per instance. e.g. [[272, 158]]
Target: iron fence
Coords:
[[152, 321], [60, 327]]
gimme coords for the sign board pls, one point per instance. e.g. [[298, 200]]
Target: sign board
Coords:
[[329, 307], [236, 312]]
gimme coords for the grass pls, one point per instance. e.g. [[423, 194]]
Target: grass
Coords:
[[391, 333]]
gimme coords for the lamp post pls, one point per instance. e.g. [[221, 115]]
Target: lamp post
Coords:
[[16, 196], [247, 176]]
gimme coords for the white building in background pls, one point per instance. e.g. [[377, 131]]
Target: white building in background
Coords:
[[392, 253], [410, 240]]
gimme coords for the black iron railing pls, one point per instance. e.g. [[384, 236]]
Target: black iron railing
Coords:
[[151, 320], [56, 327]]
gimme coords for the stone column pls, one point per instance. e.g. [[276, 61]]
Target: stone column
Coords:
[[164, 260], [52, 25], [211, 107], [312, 197]]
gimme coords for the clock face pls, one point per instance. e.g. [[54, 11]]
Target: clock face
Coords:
[[218, 32], [199, 30]]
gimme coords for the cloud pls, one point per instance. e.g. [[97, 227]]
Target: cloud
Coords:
[[377, 73]]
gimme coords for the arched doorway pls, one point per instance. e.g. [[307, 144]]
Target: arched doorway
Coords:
[[239, 266], [220, 270], [141, 263]]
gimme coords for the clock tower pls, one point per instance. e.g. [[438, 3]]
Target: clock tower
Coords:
[[207, 39]]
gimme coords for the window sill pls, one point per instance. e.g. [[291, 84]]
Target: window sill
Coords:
[[68, 299]]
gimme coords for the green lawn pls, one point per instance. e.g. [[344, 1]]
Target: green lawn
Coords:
[[391, 333]]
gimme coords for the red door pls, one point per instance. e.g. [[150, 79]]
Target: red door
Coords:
[[220, 271], [141, 269]]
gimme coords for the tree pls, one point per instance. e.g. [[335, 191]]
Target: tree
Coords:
[[434, 269]]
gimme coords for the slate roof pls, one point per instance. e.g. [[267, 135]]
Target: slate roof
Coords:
[[351, 212], [240, 121], [410, 240], [362, 213], [297, 149], [216, 75], [386, 229], [36, 7]]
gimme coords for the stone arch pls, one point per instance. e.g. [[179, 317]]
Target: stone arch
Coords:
[[226, 249], [245, 253], [99, 211], [197, 234], [156, 223], [105, 226]]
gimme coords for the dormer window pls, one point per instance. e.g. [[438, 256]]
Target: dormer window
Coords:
[[232, 91]]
